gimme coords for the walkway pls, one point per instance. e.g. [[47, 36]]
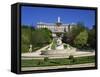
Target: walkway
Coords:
[[36, 53], [59, 67], [76, 54]]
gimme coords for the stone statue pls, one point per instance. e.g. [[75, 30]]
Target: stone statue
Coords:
[[30, 48], [59, 42]]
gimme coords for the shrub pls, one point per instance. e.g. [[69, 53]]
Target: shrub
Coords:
[[46, 59], [53, 46], [81, 39], [71, 57], [40, 62], [65, 46], [24, 48], [73, 60]]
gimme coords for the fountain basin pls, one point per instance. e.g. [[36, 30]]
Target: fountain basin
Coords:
[[57, 52]]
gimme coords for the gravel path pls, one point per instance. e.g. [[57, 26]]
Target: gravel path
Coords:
[[76, 54], [58, 67], [36, 53]]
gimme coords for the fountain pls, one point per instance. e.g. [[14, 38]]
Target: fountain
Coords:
[[59, 44], [56, 47]]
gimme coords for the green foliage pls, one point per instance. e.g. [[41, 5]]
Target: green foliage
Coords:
[[81, 39], [40, 62], [25, 38], [65, 37], [58, 61], [65, 46], [58, 34], [37, 37], [24, 48], [92, 38], [53, 46], [25, 35], [46, 59], [77, 29], [71, 57], [70, 36], [41, 36]]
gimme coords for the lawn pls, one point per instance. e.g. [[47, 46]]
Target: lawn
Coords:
[[56, 62]]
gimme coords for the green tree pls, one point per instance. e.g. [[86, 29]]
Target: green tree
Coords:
[[79, 27], [92, 38], [37, 37], [72, 34], [41, 37], [25, 38], [81, 39], [46, 59], [53, 46]]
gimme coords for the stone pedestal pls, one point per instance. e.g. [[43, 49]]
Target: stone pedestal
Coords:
[[54, 52]]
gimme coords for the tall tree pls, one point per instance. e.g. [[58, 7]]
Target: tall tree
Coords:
[[81, 39], [92, 38], [41, 37], [73, 33]]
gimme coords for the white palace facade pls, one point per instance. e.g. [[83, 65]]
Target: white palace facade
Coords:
[[56, 27]]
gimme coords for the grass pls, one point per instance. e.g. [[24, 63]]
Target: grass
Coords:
[[56, 62]]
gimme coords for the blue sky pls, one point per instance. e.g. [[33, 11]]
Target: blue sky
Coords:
[[33, 15]]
